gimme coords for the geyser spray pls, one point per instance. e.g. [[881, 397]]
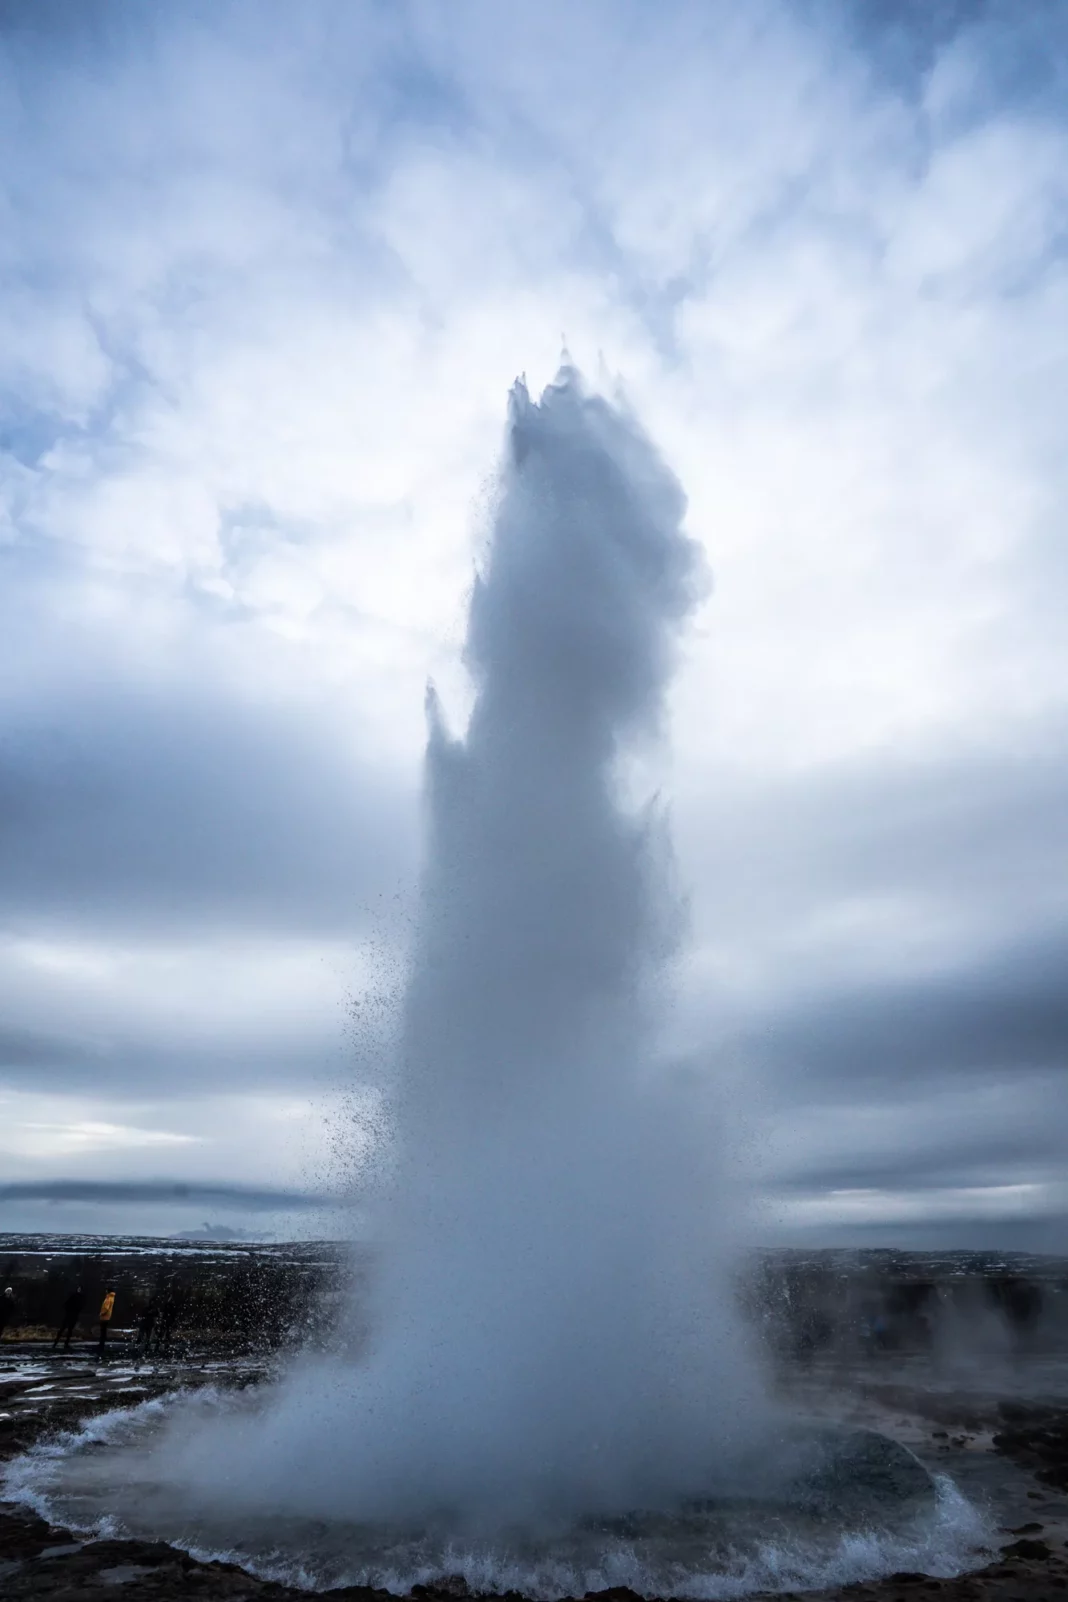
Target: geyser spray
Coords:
[[552, 1331]]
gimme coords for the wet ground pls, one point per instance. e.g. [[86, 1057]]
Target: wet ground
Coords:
[[1002, 1437]]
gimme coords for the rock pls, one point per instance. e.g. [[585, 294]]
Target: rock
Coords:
[[1035, 1550]]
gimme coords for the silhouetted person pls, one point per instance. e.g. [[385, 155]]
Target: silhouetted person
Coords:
[[7, 1309], [71, 1309], [146, 1324], [107, 1307], [170, 1308]]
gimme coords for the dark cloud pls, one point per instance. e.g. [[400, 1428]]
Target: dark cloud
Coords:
[[1017, 54], [1003, 1015], [967, 834], [166, 806], [906, 36], [1022, 1155], [161, 1192], [26, 1051], [185, 1065]]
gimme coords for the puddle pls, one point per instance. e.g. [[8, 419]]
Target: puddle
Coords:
[[123, 1573]]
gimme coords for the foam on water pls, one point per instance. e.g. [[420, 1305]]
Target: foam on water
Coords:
[[119, 1477]]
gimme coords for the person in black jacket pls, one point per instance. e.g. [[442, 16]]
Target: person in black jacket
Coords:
[[145, 1326], [71, 1308]]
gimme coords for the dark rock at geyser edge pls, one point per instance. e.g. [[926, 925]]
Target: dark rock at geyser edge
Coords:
[[1037, 1438], [1026, 1549]]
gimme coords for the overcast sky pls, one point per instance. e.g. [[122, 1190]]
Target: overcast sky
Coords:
[[268, 272]]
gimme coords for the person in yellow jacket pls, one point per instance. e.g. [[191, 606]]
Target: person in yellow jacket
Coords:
[[107, 1307]]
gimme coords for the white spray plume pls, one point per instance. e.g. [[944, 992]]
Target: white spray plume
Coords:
[[553, 1331]]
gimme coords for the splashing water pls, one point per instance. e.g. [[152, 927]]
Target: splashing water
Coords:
[[555, 1372], [553, 1333]]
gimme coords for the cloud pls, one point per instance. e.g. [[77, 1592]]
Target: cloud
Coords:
[[1007, 1015], [160, 1192], [24, 1050], [172, 805], [268, 273], [974, 1160], [181, 1016]]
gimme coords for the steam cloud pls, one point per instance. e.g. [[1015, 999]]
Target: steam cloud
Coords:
[[552, 1332]]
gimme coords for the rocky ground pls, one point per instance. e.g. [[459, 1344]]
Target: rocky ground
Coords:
[[963, 1360], [1012, 1452]]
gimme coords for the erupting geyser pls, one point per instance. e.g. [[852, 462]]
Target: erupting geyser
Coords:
[[552, 1334], [556, 1395]]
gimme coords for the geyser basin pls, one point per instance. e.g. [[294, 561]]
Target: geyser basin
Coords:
[[841, 1505]]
